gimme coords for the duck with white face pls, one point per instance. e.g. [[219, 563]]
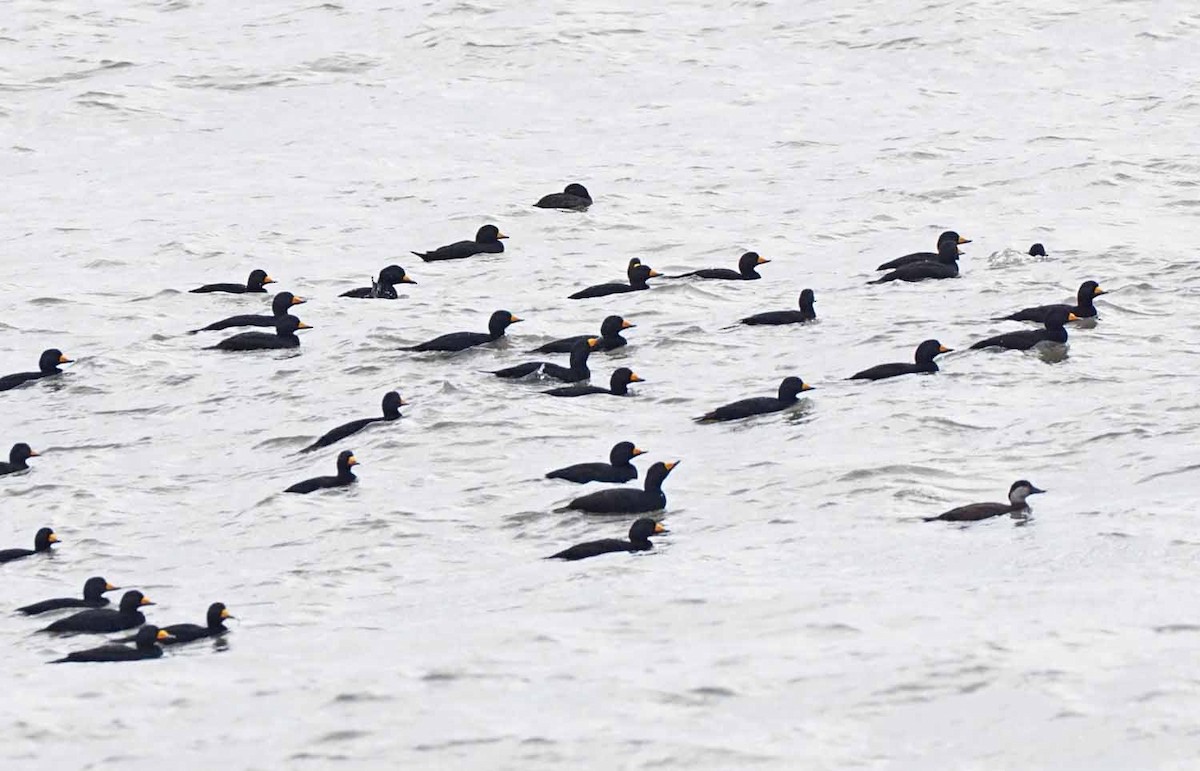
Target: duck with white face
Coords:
[[973, 512]]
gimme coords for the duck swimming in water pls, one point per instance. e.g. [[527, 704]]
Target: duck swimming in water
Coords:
[[639, 540], [923, 361], [1054, 332], [284, 337], [618, 469], [42, 541], [104, 620], [391, 411], [805, 314], [618, 385], [47, 367], [487, 241], [146, 647], [621, 500], [214, 626], [789, 395], [280, 305], [577, 371], [610, 338], [255, 283], [575, 197], [460, 341], [945, 266], [948, 237], [345, 477], [1016, 506], [747, 265], [17, 458], [93, 597], [385, 287], [638, 274], [1084, 308]]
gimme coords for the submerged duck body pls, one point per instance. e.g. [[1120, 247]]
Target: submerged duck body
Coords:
[[1084, 307], [626, 501], [948, 237], [574, 197], [284, 337], [618, 385], [391, 411], [280, 305], [498, 323], [639, 540], [384, 288], [102, 620], [256, 283], [1054, 331], [487, 241], [747, 270], [345, 477], [18, 458], [1016, 506], [577, 371], [945, 266], [923, 361], [638, 273], [805, 314], [789, 395], [146, 647], [618, 469], [93, 597], [610, 338], [47, 367], [42, 541]]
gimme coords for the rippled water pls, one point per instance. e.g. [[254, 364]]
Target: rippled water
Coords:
[[799, 614]]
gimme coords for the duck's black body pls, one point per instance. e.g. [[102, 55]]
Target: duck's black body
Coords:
[[577, 371], [384, 288], [1016, 506], [948, 237], [639, 540], [923, 361], [284, 337], [789, 394], [93, 597], [42, 541], [146, 647], [487, 241], [805, 314], [618, 385], [575, 197], [47, 367], [610, 338], [945, 266], [747, 270], [345, 462], [460, 341], [103, 620], [618, 469], [391, 411], [17, 458], [1084, 307], [280, 305], [638, 273], [1052, 332], [255, 284], [627, 501]]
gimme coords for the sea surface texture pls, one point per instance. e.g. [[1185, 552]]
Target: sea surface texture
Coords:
[[799, 615]]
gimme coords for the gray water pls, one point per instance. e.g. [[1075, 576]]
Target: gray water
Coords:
[[799, 615]]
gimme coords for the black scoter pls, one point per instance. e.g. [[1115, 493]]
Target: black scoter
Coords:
[[610, 338], [1053, 332], [625, 501], [214, 626], [102, 620], [42, 542], [639, 540], [618, 469], [93, 597], [391, 411], [487, 241], [746, 271], [256, 283], [948, 237], [575, 197], [385, 287], [638, 274], [345, 462], [146, 647], [279, 308], [1037, 250], [1084, 308], [47, 367], [789, 394], [944, 266], [460, 341], [1016, 506], [575, 372], [923, 361], [17, 457], [284, 337], [618, 385], [805, 314]]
